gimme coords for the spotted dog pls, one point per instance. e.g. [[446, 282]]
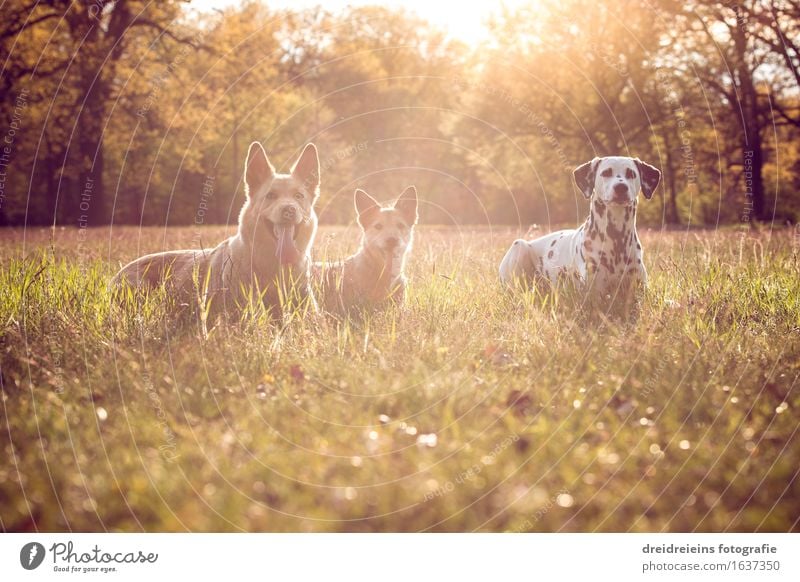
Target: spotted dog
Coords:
[[604, 254], [268, 257], [374, 275]]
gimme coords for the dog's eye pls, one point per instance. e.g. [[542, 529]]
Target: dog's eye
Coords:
[[607, 173], [630, 174], [271, 195], [379, 227], [299, 196]]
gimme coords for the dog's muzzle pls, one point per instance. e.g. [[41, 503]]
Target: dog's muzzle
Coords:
[[621, 191]]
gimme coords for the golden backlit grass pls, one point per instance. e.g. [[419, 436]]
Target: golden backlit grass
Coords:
[[468, 409]]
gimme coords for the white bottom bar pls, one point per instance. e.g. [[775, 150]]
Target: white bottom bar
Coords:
[[403, 557]]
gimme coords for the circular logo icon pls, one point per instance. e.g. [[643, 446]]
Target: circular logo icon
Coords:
[[31, 555]]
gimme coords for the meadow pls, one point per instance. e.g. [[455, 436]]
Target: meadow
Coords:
[[468, 409]]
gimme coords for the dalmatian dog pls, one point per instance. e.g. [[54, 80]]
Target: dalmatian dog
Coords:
[[603, 255]]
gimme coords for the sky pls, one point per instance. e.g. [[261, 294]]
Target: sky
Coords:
[[463, 19]]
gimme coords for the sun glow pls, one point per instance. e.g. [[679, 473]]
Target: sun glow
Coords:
[[464, 21]]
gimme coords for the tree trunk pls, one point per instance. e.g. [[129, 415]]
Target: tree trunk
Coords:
[[671, 187], [756, 189], [746, 110], [91, 194], [671, 203], [135, 210]]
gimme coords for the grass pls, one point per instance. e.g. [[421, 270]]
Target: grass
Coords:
[[469, 409]]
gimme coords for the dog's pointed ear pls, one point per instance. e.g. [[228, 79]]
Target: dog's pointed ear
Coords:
[[408, 205], [366, 207], [306, 168], [584, 177], [257, 169], [650, 175]]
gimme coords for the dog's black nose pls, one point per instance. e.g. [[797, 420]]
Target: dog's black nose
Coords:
[[620, 188], [289, 213], [392, 242]]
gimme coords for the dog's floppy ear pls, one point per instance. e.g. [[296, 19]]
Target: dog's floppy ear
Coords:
[[407, 205], [257, 169], [366, 207], [306, 169], [584, 177], [650, 175]]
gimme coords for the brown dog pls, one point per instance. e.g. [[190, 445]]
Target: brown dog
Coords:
[[374, 275], [268, 257]]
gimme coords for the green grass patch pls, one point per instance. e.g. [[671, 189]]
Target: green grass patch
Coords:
[[469, 408]]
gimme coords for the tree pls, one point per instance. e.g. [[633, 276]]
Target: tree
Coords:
[[725, 46], [567, 81], [90, 40]]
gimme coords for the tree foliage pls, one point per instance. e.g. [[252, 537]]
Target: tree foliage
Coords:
[[140, 112]]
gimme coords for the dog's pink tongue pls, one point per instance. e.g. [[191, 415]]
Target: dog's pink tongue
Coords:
[[389, 264], [286, 252]]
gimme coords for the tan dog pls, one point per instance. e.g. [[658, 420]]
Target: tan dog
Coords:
[[268, 257], [374, 275]]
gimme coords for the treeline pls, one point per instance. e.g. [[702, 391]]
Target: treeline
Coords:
[[142, 112]]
